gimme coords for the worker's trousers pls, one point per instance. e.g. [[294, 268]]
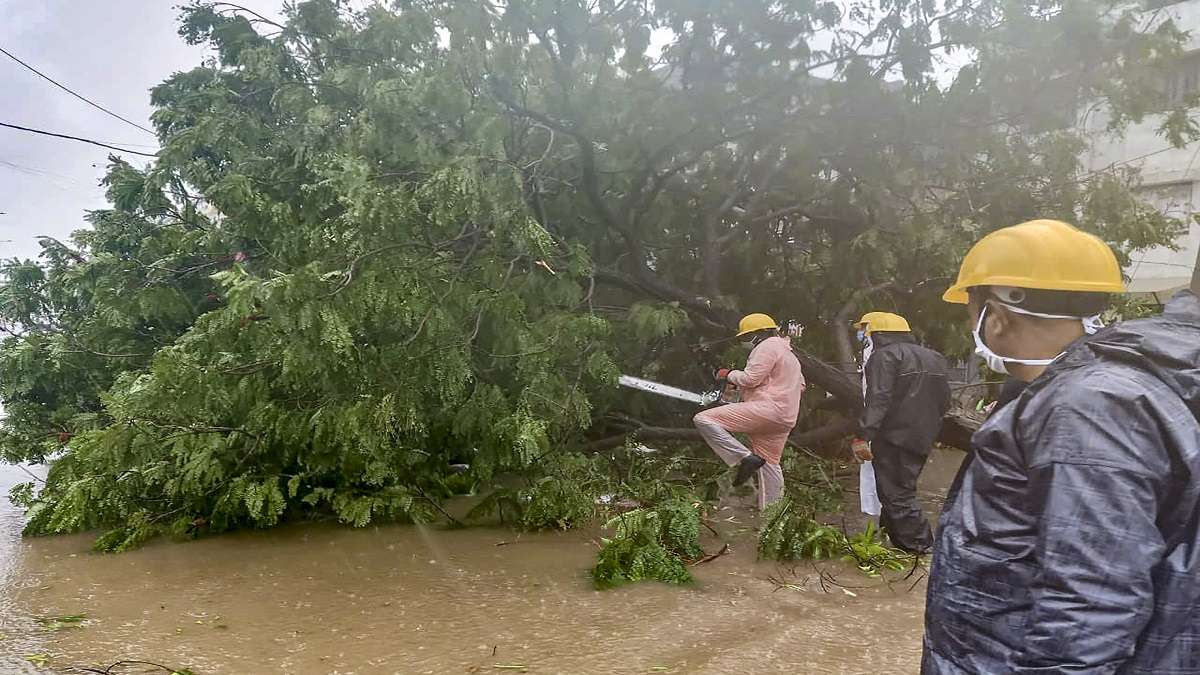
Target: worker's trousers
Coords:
[[896, 473], [766, 437]]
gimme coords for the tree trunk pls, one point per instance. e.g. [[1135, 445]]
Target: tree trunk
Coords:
[[824, 434], [956, 432], [841, 320]]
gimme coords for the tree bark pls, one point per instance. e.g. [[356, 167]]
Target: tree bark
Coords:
[[841, 320], [824, 434]]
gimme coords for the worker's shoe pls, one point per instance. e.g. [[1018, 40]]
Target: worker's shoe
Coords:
[[747, 468]]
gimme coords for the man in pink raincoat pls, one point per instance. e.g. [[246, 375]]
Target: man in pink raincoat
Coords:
[[771, 386]]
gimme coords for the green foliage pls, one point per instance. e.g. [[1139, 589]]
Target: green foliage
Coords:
[[1127, 308], [57, 623], [810, 483], [790, 533], [872, 556], [650, 544], [576, 489], [680, 520], [563, 499], [378, 242], [649, 322]]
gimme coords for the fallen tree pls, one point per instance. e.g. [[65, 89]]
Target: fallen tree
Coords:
[[378, 243]]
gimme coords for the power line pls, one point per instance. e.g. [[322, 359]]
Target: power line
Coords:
[[76, 138], [41, 173], [86, 100]]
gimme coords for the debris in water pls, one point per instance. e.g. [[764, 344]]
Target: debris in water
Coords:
[[712, 556], [39, 660], [52, 623], [119, 666]]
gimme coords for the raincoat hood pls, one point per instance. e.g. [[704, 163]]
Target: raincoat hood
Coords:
[[1169, 347], [883, 339]]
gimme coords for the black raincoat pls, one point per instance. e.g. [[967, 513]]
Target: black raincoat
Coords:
[[1073, 543], [907, 395]]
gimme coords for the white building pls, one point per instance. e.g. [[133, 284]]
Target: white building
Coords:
[[1170, 176]]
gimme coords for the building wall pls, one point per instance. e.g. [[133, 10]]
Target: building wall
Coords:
[[1169, 175]]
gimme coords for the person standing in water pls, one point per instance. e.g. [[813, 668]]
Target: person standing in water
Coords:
[[771, 385], [1072, 544], [906, 396]]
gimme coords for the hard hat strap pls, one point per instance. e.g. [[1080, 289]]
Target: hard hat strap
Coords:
[[1091, 324]]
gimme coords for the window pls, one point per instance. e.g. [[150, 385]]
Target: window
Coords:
[[1183, 80]]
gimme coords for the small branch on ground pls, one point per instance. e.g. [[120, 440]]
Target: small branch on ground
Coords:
[[120, 666], [711, 556]]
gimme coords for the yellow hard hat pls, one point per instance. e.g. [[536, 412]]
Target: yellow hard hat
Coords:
[[882, 322], [1040, 254], [755, 322]]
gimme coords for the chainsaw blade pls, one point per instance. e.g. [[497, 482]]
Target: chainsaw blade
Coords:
[[666, 390]]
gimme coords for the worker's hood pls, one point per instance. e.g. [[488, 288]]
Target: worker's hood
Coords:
[[885, 338], [1167, 346]]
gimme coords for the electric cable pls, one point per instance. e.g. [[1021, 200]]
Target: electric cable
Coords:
[[76, 138], [81, 97]]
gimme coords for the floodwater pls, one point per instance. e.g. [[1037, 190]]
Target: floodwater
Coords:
[[405, 599]]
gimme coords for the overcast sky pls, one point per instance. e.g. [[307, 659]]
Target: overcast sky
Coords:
[[111, 51]]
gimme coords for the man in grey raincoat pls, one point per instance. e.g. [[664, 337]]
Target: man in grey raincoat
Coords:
[[1072, 543]]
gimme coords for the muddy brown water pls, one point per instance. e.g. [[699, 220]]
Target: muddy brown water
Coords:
[[406, 599]]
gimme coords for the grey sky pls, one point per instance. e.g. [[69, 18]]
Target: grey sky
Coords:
[[111, 51]]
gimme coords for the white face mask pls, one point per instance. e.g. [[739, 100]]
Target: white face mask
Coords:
[[998, 364], [868, 349]]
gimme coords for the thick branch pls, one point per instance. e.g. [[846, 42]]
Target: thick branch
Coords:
[[822, 434], [587, 160], [841, 320], [779, 213], [713, 247], [652, 286], [646, 278], [956, 432]]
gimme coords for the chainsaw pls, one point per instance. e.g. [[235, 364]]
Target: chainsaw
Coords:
[[722, 393]]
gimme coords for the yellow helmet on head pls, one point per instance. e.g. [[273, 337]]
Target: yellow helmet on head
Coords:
[[752, 323], [882, 322], [1045, 255]]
